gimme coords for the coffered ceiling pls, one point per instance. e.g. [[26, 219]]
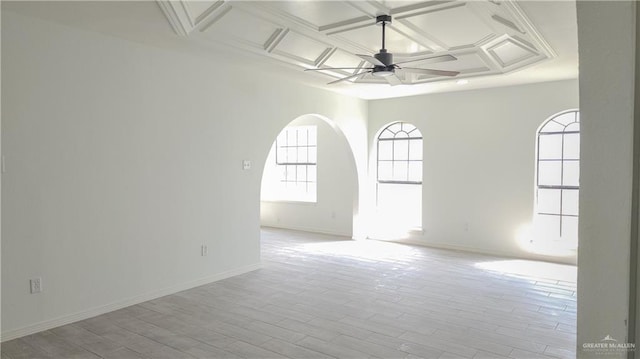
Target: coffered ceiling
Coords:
[[488, 38], [495, 42]]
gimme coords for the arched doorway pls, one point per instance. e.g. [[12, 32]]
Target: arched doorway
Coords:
[[309, 180]]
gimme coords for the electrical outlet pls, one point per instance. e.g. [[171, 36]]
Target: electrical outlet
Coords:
[[204, 250], [36, 285]]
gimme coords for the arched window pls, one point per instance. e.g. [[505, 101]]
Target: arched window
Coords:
[[557, 176], [400, 154], [399, 179]]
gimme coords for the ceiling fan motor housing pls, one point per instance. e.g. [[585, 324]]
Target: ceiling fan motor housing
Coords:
[[380, 19], [384, 57]]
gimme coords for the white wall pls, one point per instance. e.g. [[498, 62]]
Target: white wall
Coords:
[[123, 159], [337, 192], [607, 46], [479, 162]]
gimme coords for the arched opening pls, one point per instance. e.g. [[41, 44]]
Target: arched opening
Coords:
[[557, 181], [309, 180]]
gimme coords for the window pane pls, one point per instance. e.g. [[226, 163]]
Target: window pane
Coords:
[[573, 127], [395, 128], [291, 138], [282, 171], [303, 138], [312, 189], [400, 171], [549, 147], [291, 173], [301, 173], [291, 155], [303, 155], [549, 173], [386, 134], [566, 118], [281, 155], [571, 173], [572, 146], [313, 155], [401, 150], [385, 150], [313, 136], [548, 226], [570, 228], [548, 201], [552, 126], [311, 173], [415, 171], [384, 171], [407, 127], [415, 149], [402, 134], [570, 202]]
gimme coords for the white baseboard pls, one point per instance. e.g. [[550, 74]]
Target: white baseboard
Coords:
[[85, 314], [307, 229]]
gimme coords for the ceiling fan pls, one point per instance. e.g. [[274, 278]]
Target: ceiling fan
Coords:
[[383, 65]]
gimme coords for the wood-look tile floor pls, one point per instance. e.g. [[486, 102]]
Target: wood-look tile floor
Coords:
[[319, 296]]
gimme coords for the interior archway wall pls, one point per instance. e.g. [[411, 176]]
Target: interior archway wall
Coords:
[[337, 185]]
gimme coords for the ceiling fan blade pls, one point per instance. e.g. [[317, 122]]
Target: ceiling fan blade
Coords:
[[339, 68], [430, 71], [393, 80], [348, 77], [372, 60], [431, 60]]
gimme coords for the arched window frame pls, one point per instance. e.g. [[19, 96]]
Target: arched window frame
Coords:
[[404, 169], [562, 125]]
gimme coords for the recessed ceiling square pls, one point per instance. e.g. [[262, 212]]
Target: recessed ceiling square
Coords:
[[464, 63], [509, 52], [317, 13], [371, 38], [297, 46], [342, 58], [445, 26], [241, 25]]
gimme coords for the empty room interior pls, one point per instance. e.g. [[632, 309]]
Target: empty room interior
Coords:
[[320, 179]]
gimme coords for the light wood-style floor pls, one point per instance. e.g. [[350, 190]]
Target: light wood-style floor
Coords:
[[320, 296]]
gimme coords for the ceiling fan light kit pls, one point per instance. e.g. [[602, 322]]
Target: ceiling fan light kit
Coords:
[[383, 65]]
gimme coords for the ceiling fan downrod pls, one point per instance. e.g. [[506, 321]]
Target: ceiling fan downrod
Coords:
[[383, 55]]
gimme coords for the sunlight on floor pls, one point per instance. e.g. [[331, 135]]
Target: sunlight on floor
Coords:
[[366, 249], [521, 267]]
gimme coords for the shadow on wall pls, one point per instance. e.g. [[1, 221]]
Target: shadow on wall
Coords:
[[309, 181]]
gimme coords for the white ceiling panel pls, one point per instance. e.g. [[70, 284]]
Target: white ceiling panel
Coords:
[[318, 14], [470, 62], [444, 25], [240, 25], [342, 58], [370, 37], [508, 52], [301, 48]]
